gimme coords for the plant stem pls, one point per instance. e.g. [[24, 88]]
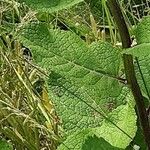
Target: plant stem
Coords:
[[129, 68], [120, 22], [132, 81]]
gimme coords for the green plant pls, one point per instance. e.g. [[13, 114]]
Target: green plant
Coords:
[[5, 146], [85, 80]]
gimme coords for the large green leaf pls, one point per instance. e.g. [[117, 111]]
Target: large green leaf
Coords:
[[50, 5], [142, 65], [125, 118], [143, 31], [82, 79], [94, 143], [85, 140], [75, 141]]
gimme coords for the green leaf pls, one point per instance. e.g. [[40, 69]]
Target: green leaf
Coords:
[[82, 78], [50, 6], [125, 118], [85, 140], [142, 53], [95, 143], [75, 141], [142, 32], [5, 145]]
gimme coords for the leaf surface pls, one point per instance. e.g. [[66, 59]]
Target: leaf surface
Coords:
[[142, 65], [50, 6], [142, 31], [142, 54], [125, 118], [75, 141], [85, 140], [5, 146], [82, 78], [94, 143]]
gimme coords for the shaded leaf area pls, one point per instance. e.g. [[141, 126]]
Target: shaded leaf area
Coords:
[[5, 145], [50, 6], [94, 143], [82, 79]]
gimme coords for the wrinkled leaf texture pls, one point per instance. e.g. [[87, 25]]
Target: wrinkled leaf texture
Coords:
[[82, 79]]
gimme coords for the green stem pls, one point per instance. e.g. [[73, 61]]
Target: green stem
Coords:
[[129, 68]]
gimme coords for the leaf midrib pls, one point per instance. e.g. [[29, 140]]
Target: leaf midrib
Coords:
[[98, 72]]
